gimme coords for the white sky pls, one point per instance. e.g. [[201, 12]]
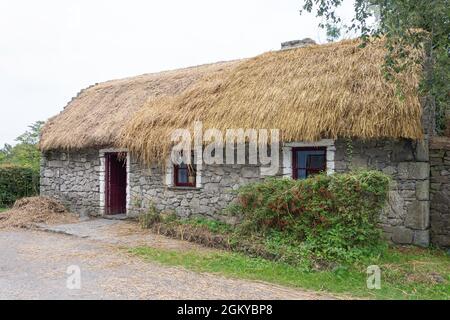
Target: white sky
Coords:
[[51, 49]]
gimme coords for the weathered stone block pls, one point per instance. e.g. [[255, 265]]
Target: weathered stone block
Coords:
[[421, 238], [401, 235], [55, 163], [413, 170], [435, 186], [441, 198], [422, 151], [442, 240], [402, 152], [418, 215], [390, 170], [423, 190], [211, 187], [45, 181], [250, 172], [359, 162], [406, 185]]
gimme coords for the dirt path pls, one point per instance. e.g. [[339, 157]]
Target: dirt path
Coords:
[[33, 265]]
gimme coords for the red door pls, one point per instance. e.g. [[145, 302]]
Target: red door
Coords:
[[116, 183]]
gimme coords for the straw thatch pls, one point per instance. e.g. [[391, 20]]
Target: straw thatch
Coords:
[[322, 91], [327, 91], [95, 117]]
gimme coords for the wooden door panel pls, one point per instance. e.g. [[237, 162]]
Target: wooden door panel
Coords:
[[116, 181]]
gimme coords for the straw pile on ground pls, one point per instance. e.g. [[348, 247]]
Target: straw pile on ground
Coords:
[[322, 91], [28, 211]]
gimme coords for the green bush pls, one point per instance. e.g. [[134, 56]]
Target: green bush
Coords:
[[212, 225], [17, 182], [331, 218], [320, 222]]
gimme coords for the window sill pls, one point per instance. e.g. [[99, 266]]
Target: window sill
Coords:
[[184, 188]]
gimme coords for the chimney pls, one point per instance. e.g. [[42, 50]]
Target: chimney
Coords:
[[297, 43]]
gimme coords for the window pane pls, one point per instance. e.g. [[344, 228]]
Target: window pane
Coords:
[[316, 161], [301, 174], [309, 161], [301, 159], [183, 175]]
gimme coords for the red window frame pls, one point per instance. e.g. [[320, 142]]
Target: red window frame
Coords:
[[176, 168], [308, 171]]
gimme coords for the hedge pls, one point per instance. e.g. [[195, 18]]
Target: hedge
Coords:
[[17, 182]]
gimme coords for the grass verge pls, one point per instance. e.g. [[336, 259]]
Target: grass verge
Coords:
[[3, 209], [406, 273]]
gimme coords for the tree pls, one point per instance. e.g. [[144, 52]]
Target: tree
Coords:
[[404, 24], [333, 31], [25, 152], [31, 136]]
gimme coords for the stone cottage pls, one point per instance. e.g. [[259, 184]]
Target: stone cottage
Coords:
[[108, 151]]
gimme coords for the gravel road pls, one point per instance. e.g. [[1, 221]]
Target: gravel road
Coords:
[[34, 265]]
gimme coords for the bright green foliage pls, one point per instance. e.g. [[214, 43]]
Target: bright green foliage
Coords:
[[404, 23], [332, 218], [19, 167], [320, 222], [333, 32], [411, 273], [212, 225], [25, 152], [17, 182]]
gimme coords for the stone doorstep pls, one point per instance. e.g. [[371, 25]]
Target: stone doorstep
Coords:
[[76, 229], [58, 230], [122, 216]]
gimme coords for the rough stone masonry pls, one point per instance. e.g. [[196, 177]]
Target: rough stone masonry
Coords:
[[440, 191], [75, 179]]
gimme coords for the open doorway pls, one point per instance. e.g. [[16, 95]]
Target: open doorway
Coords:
[[115, 183]]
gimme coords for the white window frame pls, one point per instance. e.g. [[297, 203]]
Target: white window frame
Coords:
[[170, 176], [287, 154], [102, 177]]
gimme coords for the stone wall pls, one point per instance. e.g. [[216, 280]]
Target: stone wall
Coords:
[[73, 179], [440, 192], [218, 183], [405, 219]]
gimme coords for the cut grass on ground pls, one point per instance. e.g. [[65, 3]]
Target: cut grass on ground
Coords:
[[406, 273], [3, 209]]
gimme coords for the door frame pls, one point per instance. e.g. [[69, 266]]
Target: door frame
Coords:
[[102, 179]]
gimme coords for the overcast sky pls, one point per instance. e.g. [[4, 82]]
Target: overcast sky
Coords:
[[51, 49]]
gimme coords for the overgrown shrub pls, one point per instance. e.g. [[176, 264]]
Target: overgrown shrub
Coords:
[[319, 222], [333, 218], [17, 182]]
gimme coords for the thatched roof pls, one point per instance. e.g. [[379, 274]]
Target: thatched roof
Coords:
[[321, 91], [96, 116]]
